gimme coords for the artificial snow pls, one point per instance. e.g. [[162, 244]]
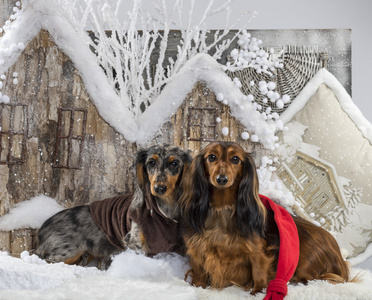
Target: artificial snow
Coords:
[[225, 131], [245, 135], [111, 106], [135, 276], [30, 214]]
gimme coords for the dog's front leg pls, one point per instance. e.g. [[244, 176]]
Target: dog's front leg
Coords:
[[135, 240], [260, 269], [199, 277]]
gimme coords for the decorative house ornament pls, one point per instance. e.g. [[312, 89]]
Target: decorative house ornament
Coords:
[[327, 134], [314, 185]]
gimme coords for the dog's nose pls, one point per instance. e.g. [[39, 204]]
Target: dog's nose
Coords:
[[160, 189], [222, 179]]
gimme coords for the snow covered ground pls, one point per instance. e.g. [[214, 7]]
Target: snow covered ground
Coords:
[[131, 275], [134, 276]]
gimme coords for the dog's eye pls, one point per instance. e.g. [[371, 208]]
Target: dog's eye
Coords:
[[151, 163], [235, 160], [212, 158], [174, 164]]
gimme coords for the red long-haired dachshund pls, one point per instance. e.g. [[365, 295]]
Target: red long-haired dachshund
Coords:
[[232, 239]]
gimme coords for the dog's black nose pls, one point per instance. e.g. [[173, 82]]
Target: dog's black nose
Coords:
[[222, 179], [160, 189]]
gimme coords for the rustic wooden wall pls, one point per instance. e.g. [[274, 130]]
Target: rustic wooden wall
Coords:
[[184, 132], [47, 80]]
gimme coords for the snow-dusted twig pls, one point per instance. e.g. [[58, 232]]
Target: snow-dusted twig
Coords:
[[136, 61]]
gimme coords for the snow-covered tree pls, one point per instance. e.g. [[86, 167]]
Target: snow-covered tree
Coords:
[[136, 61]]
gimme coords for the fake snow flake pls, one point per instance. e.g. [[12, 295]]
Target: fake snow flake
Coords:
[[280, 103], [276, 95], [218, 120], [245, 135], [254, 138], [7, 52], [271, 85], [225, 131], [286, 99], [279, 124], [13, 47], [251, 83], [250, 98], [219, 97], [237, 82], [5, 99], [15, 81], [225, 102], [275, 115], [21, 46]]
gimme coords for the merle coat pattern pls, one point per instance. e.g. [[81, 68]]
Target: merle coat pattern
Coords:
[[72, 236]]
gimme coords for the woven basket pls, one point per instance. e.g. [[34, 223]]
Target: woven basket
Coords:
[[300, 64]]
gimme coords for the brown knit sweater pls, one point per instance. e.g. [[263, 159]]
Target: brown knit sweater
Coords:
[[114, 216]]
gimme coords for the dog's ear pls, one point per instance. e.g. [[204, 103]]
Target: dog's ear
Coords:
[[187, 160], [194, 200], [250, 211], [187, 157], [140, 165]]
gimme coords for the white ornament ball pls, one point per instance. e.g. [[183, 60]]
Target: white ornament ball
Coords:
[[275, 115], [250, 98], [7, 52], [234, 53], [270, 94], [280, 103], [13, 47], [271, 85], [5, 99], [245, 135], [219, 97], [286, 98], [254, 138], [225, 131], [279, 124]]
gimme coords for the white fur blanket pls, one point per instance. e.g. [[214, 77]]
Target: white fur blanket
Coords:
[[133, 276]]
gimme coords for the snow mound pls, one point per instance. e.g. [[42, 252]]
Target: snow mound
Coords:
[[22, 279], [30, 213], [162, 268], [32, 273]]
